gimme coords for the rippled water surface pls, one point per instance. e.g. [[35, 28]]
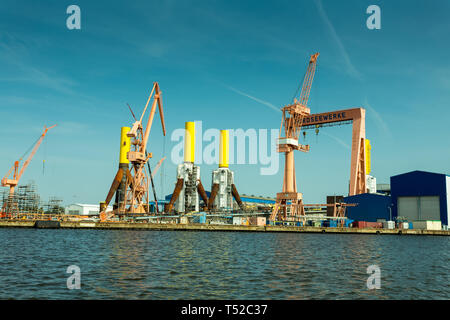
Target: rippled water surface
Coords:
[[220, 265]]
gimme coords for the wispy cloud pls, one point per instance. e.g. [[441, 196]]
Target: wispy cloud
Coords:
[[350, 67], [381, 124], [13, 52], [340, 141], [268, 104]]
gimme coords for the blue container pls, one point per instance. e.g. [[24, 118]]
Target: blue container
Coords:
[[348, 222], [411, 225], [202, 218]]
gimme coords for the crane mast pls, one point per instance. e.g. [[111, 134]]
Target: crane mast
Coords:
[[289, 202]]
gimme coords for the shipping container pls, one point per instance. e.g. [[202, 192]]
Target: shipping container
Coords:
[[236, 220], [258, 221], [359, 224], [184, 220], [427, 225], [374, 224], [389, 225]]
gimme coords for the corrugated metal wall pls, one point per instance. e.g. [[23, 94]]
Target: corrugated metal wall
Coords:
[[420, 184]]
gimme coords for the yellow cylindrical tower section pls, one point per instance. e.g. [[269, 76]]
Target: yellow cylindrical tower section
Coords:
[[125, 145], [189, 142], [368, 148], [224, 151]]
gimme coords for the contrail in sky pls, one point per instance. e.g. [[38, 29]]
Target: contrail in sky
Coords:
[[378, 119], [351, 68], [342, 143], [254, 98]]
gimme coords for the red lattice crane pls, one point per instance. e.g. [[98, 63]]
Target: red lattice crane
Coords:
[[289, 203]]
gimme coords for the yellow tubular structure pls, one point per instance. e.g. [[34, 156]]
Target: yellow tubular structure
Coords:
[[368, 148], [224, 151], [124, 145], [189, 142]]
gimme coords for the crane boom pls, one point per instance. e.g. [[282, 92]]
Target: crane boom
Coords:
[[307, 81], [33, 152], [12, 183]]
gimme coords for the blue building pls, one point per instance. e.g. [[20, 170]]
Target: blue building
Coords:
[[370, 207], [421, 195]]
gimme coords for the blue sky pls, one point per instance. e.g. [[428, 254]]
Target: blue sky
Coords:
[[209, 57]]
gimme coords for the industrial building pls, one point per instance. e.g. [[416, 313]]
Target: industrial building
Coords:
[[84, 209], [421, 195], [414, 196], [371, 207], [251, 199]]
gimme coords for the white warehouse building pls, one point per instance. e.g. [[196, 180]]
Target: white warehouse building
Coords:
[[84, 209]]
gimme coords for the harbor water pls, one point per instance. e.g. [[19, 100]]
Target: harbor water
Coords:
[[122, 264]]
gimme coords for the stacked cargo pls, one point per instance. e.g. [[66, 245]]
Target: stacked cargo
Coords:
[[427, 225], [241, 221], [389, 225], [257, 221], [184, 220], [367, 224], [201, 218], [236, 220], [329, 223]]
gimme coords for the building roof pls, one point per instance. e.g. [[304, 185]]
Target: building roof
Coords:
[[418, 172]]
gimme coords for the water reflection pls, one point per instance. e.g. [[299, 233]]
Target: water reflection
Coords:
[[119, 264]]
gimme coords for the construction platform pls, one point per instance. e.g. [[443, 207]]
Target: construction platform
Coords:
[[217, 227]]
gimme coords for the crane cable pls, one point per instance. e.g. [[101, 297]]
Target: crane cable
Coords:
[[300, 85], [153, 185], [29, 149]]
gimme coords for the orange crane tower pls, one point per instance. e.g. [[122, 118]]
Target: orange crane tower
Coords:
[[137, 180], [12, 183], [290, 201]]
